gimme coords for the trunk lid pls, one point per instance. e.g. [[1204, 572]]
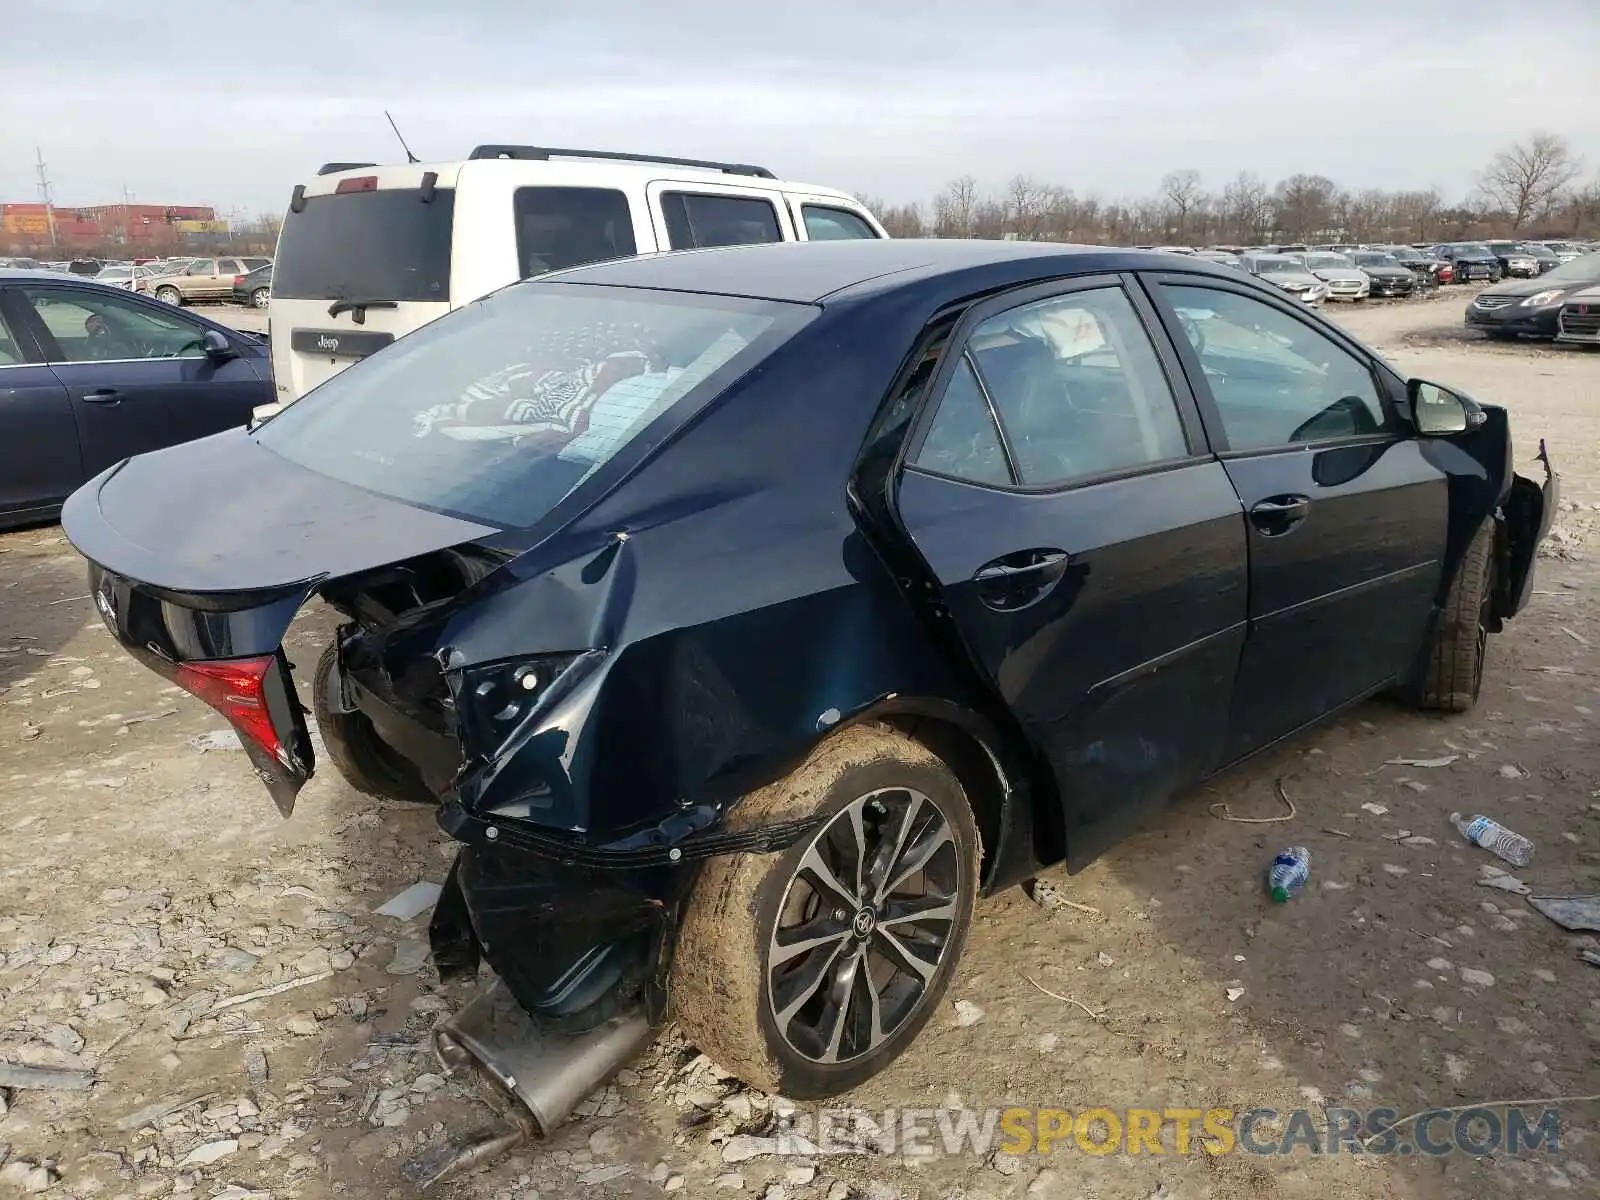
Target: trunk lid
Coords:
[[202, 593]]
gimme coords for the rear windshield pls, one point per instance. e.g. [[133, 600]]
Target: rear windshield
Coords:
[[382, 245], [498, 410]]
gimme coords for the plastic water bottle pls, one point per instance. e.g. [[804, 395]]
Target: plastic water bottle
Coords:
[[1288, 873], [1495, 838]]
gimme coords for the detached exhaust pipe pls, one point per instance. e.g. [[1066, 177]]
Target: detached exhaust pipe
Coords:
[[534, 1077]]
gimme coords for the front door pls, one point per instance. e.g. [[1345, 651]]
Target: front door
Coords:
[[1089, 550], [136, 372], [1347, 519]]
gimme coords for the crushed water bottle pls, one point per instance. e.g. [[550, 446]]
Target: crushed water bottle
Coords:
[[1288, 873], [1495, 838]]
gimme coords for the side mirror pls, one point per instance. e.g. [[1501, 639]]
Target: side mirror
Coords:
[[1439, 412], [216, 346]]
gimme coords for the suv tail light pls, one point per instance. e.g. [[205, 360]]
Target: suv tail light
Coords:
[[236, 688], [237, 280]]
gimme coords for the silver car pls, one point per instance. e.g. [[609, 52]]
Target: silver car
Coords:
[[1580, 318], [1345, 280], [1289, 273]]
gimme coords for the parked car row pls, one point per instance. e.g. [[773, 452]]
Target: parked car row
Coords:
[[1538, 306]]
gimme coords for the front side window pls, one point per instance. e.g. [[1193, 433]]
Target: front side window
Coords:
[[498, 410], [1078, 388], [560, 227], [203, 266], [825, 224], [1276, 380], [697, 220], [101, 328]]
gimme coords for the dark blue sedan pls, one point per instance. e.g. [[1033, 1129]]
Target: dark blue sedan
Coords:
[[746, 613], [91, 374]]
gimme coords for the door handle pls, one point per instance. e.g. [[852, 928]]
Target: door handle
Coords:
[[1014, 581], [106, 396], [1279, 514], [1010, 567]]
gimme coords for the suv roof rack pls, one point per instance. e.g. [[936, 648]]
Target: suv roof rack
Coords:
[[542, 153], [330, 168]]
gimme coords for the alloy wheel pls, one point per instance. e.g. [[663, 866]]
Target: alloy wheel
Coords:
[[864, 925]]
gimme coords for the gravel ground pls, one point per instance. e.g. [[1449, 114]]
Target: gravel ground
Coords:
[[147, 883]]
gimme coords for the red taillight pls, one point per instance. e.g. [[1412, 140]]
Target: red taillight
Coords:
[[237, 280], [361, 183], [236, 688]]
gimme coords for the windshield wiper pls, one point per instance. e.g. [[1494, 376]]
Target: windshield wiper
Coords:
[[358, 307]]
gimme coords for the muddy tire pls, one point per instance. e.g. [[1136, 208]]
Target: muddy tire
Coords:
[[361, 756], [790, 972], [1453, 671], [170, 295], [260, 298]]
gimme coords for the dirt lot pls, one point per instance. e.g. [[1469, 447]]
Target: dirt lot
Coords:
[[145, 881]]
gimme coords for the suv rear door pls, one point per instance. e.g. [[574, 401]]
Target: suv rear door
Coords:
[[356, 267], [695, 214]]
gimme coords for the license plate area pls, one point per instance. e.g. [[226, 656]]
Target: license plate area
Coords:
[[338, 343]]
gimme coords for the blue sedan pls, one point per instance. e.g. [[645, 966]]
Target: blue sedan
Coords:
[[92, 374], [745, 613]]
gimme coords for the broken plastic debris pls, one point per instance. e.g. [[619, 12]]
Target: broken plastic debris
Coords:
[[1503, 882], [1234, 993], [412, 902], [1376, 810], [216, 739], [967, 1013], [1445, 761], [1576, 913]]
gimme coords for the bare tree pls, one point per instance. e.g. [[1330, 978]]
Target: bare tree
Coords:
[[1028, 206], [1182, 192], [955, 208], [1304, 205], [1526, 179], [1245, 208]]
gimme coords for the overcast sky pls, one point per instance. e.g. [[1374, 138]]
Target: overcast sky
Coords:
[[231, 104]]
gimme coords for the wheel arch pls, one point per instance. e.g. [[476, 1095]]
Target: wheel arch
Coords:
[[1020, 829]]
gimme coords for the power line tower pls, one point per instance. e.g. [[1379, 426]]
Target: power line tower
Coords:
[[44, 194]]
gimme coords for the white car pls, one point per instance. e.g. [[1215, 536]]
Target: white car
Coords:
[[369, 253], [1345, 280]]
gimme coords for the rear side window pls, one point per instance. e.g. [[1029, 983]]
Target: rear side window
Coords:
[[559, 227], [695, 220], [1077, 387], [377, 245], [834, 224]]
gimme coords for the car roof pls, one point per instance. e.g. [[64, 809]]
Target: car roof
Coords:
[[810, 272]]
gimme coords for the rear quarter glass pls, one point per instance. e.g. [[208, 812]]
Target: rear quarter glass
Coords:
[[500, 409], [369, 245]]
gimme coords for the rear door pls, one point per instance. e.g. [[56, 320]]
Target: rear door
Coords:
[[39, 460], [1089, 550], [1347, 517], [136, 371], [695, 215], [356, 268]]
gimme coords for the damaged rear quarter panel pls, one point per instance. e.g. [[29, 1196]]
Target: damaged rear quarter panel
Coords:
[[739, 620]]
